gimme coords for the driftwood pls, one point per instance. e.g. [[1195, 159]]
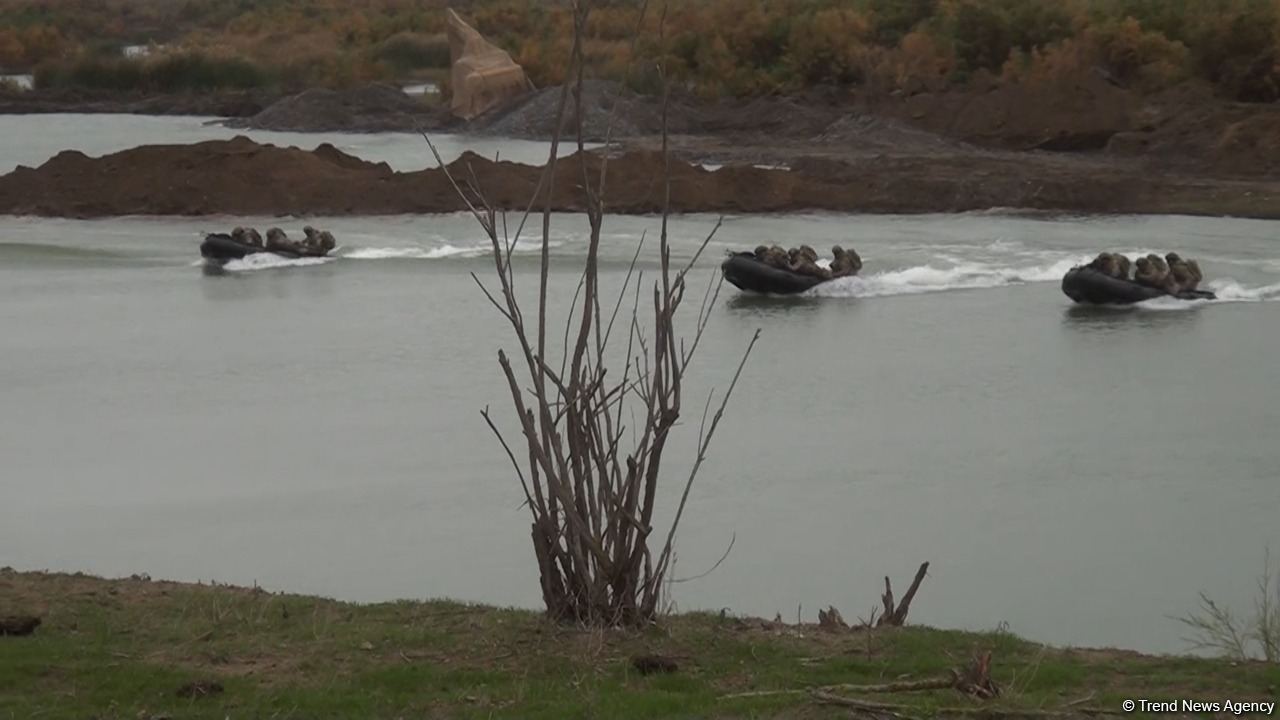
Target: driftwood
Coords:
[[902, 711], [974, 680], [18, 625], [896, 616], [830, 619], [199, 689], [651, 664]]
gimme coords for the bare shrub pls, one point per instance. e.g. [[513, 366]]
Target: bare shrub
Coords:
[[590, 481], [1215, 627]]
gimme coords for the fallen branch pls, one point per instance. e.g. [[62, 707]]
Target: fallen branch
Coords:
[[974, 680], [869, 705], [899, 710]]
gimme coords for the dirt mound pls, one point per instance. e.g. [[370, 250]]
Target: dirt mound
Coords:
[[240, 176], [232, 103], [608, 104], [605, 105], [371, 108], [236, 175], [766, 116], [1187, 127], [1080, 112], [868, 132]]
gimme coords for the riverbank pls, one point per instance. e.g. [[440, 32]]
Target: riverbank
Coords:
[[228, 104], [241, 177], [141, 648]]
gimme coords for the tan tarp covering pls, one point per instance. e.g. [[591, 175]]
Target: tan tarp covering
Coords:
[[483, 75]]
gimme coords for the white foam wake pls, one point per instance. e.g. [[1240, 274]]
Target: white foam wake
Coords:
[[266, 261], [1227, 290], [410, 253], [437, 253], [960, 276]]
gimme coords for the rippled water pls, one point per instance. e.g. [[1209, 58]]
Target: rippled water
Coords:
[[314, 426]]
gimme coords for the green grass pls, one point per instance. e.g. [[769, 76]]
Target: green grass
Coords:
[[122, 648]]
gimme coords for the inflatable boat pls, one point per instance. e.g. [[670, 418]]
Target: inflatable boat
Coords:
[[220, 247], [745, 272], [1088, 285]]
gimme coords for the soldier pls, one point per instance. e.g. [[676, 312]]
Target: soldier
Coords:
[[327, 242], [277, 240], [1105, 264], [1182, 272], [1150, 272], [240, 235], [311, 240], [1196, 275], [1122, 266], [844, 262], [254, 237], [776, 257], [804, 262]]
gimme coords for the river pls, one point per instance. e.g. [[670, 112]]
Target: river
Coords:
[[1078, 476]]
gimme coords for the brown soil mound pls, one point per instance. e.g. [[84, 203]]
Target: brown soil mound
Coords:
[[608, 110], [372, 108], [240, 176], [238, 103], [1068, 114], [1188, 128], [611, 110]]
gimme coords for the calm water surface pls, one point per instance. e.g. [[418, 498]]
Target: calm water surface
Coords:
[[32, 139], [1079, 475]]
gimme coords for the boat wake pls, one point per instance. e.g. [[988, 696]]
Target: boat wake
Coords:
[[265, 261], [436, 253], [960, 275], [1227, 290], [268, 261]]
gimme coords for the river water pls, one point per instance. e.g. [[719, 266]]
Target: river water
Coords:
[[32, 139], [314, 425]]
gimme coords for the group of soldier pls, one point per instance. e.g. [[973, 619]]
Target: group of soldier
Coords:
[[1170, 273], [315, 242], [804, 260]]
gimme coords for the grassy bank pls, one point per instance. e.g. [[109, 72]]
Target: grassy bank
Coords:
[[124, 649]]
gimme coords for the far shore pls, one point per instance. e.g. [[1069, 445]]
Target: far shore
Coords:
[[137, 647], [210, 178]]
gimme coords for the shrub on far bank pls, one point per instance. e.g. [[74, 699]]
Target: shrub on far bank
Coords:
[[190, 71]]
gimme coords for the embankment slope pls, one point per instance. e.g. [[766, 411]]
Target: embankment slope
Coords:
[[240, 176]]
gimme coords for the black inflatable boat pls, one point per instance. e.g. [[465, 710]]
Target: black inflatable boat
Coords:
[[1088, 285], [221, 247], [744, 271]]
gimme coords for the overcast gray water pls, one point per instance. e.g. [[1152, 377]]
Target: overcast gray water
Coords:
[[32, 139], [314, 426]]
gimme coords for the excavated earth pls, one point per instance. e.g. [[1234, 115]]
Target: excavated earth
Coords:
[[210, 177], [1079, 144]]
